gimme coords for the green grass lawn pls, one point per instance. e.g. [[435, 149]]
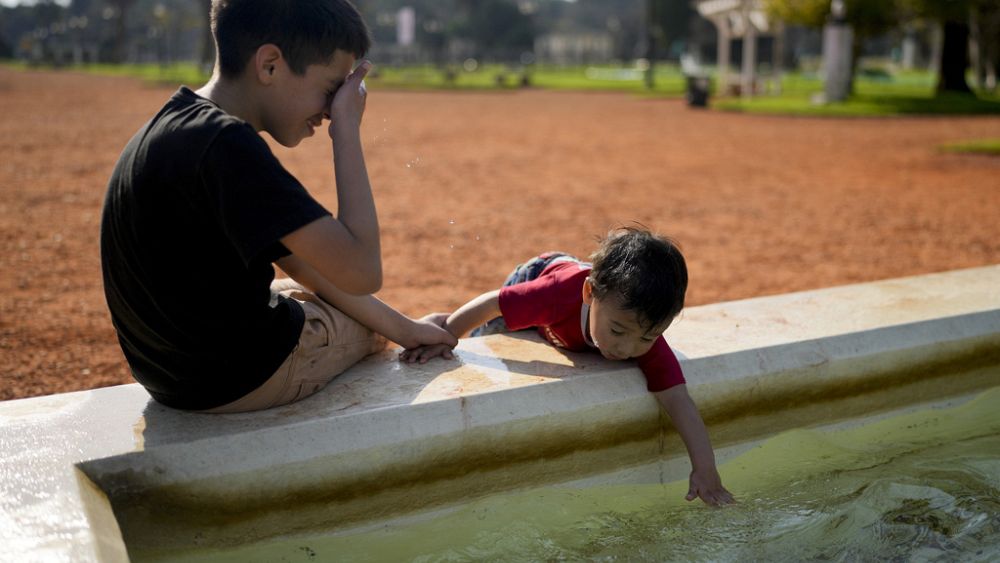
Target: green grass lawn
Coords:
[[981, 146], [178, 73], [905, 93], [877, 94], [172, 74], [668, 79]]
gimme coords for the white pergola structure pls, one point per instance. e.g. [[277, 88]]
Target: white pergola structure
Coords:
[[735, 19]]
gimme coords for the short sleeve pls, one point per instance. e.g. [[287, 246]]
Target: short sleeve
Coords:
[[530, 304], [660, 366], [257, 200], [549, 299]]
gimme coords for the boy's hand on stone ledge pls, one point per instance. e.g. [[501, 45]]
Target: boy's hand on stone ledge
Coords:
[[422, 354], [428, 339], [429, 350]]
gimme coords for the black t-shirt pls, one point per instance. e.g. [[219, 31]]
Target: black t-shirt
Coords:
[[192, 219]]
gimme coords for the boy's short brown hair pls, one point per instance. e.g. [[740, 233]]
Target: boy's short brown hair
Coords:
[[307, 31], [646, 270]]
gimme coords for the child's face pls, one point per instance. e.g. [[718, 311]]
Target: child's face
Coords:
[[300, 103], [616, 330]]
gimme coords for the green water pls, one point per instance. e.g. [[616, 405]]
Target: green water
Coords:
[[924, 486]]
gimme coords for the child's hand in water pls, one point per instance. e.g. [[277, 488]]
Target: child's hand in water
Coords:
[[707, 485]]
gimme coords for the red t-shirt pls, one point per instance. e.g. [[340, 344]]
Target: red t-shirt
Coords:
[[553, 302]]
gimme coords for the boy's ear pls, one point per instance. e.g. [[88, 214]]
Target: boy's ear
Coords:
[[588, 292], [265, 62]]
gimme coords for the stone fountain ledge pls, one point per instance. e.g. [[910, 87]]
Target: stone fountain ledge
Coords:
[[387, 439]]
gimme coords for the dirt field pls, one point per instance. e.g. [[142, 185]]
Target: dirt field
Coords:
[[468, 184]]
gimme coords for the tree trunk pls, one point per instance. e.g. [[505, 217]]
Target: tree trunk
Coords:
[[207, 56], [119, 52], [650, 79], [121, 34], [856, 47], [954, 58]]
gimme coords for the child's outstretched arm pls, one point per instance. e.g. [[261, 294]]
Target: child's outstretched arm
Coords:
[[705, 481], [474, 313], [467, 317], [369, 310]]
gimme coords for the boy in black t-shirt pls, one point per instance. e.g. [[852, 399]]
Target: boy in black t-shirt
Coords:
[[198, 195]]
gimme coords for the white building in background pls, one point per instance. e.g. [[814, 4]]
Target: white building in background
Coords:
[[406, 26], [573, 48]]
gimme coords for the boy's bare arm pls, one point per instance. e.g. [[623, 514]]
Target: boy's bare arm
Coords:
[[346, 250], [368, 309], [705, 481], [474, 313]]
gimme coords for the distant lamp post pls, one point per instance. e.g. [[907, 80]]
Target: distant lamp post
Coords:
[[837, 39], [838, 11]]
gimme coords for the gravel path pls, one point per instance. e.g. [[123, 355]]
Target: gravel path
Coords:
[[468, 184]]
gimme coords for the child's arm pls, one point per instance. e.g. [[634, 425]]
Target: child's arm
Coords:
[[464, 319], [705, 481], [345, 250], [368, 309], [474, 313]]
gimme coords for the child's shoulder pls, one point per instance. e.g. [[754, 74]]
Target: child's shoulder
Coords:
[[560, 282], [567, 270]]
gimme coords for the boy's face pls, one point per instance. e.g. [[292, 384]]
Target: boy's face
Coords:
[[616, 330], [298, 104]]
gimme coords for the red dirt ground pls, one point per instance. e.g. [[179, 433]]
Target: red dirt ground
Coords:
[[469, 184]]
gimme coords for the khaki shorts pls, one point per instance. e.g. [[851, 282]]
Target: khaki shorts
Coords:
[[330, 343]]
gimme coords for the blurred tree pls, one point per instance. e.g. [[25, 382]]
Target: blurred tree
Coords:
[[206, 54], [27, 26], [953, 15], [121, 8], [873, 17], [498, 28], [988, 39], [810, 13], [868, 19], [672, 20], [6, 49]]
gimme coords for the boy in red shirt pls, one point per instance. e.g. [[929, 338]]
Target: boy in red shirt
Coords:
[[619, 305]]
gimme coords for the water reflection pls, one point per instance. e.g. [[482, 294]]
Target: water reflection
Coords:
[[919, 487]]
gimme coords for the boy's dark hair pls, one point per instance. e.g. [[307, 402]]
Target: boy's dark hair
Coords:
[[307, 31], [647, 270]]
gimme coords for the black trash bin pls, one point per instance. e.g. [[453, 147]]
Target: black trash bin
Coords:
[[697, 91]]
